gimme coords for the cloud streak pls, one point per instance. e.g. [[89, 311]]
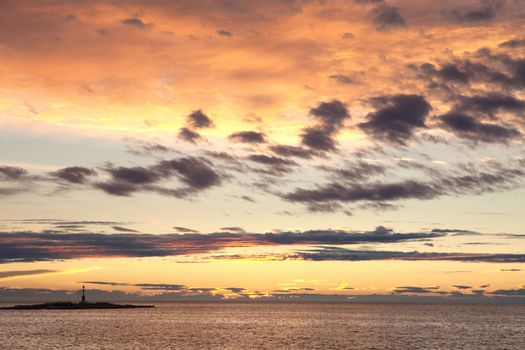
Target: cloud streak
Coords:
[[28, 246]]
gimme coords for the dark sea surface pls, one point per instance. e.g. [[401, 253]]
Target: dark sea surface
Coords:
[[215, 325]]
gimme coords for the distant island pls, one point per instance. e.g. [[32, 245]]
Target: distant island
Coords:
[[68, 305]]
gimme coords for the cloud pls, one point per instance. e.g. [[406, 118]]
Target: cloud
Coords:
[[462, 286], [342, 79], [248, 137], [225, 33], [397, 118], [292, 151], [9, 173], [318, 139], [74, 174], [331, 115], [198, 120], [513, 43], [367, 2], [509, 292], [195, 173], [470, 181], [188, 135], [483, 68], [123, 229], [134, 175], [486, 12], [184, 229], [31, 246], [387, 17], [457, 232], [234, 229], [467, 127], [276, 165], [354, 171], [418, 290], [135, 22], [368, 192], [342, 254]]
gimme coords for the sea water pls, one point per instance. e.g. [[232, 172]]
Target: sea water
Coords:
[[267, 325]]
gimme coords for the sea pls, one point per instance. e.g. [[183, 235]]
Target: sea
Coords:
[[269, 325]]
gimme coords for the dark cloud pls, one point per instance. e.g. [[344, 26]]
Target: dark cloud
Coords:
[[117, 188], [9, 274], [457, 232], [123, 229], [74, 174], [450, 72], [247, 199], [342, 254], [30, 246], [369, 192], [513, 43], [459, 286], [234, 229], [198, 120], [235, 289], [9, 173], [223, 32], [135, 22], [367, 2], [188, 135], [195, 173], [134, 175], [292, 151], [467, 127], [510, 270], [331, 115], [469, 180], [486, 12], [396, 118], [318, 139], [271, 160], [490, 104], [387, 17], [248, 137], [347, 36], [487, 70], [342, 79], [509, 292], [417, 290], [355, 171], [146, 148], [184, 229], [71, 228]]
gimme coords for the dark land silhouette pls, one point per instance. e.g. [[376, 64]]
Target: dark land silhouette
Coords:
[[68, 305]]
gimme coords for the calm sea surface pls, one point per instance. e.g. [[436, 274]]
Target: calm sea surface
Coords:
[[269, 326]]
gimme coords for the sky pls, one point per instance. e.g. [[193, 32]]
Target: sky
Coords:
[[249, 150]]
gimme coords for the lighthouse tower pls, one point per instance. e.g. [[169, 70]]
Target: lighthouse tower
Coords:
[[83, 295]]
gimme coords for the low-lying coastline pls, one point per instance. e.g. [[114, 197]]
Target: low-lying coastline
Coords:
[[75, 306]]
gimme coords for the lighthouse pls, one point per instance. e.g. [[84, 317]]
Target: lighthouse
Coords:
[[83, 295]]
